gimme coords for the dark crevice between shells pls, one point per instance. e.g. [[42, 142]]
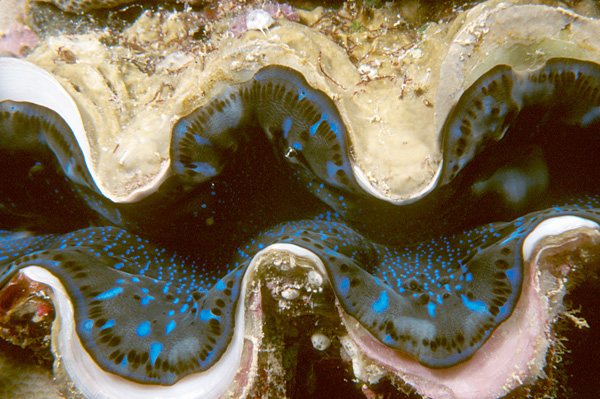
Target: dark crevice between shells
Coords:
[[35, 193], [254, 192]]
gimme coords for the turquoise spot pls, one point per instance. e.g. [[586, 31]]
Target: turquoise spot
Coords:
[[146, 300], [388, 340], [344, 286], [206, 315], [331, 169], [220, 285], [431, 309], [476, 306], [313, 128], [143, 329], [297, 146], [513, 276], [87, 325], [118, 265], [113, 292], [155, 350], [204, 168], [170, 326], [108, 324], [183, 308], [381, 304]]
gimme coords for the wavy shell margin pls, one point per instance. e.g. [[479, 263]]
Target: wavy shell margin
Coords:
[[128, 110]]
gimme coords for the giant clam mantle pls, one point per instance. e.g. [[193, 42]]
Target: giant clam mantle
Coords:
[[222, 159]]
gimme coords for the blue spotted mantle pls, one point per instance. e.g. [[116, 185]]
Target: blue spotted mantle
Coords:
[[155, 285]]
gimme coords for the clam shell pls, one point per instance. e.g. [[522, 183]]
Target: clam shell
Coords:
[[128, 113], [122, 117], [238, 372], [550, 250]]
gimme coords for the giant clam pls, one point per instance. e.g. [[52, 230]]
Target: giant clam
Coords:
[[272, 167]]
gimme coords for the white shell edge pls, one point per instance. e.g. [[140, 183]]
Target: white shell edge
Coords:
[[377, 192], [554, 227], [93, 382], [21, 80]]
